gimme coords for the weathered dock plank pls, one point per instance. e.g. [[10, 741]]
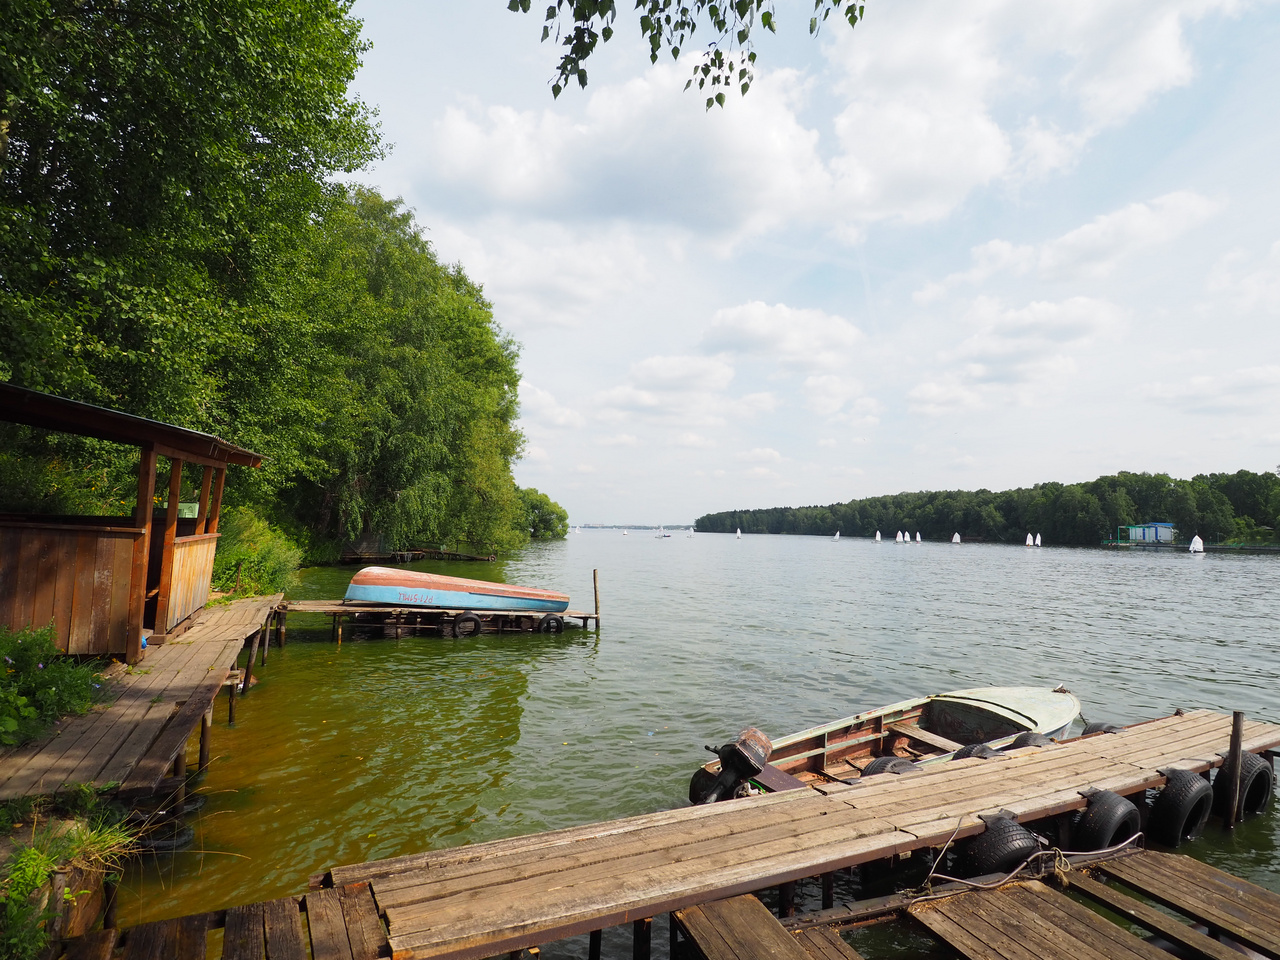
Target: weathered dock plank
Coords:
[[739, 928], [151, 711]]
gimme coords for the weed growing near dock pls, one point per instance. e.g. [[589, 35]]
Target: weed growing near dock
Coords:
[[38, 684]]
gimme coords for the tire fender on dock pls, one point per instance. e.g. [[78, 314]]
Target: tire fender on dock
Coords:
[[1181, 809], [1109, 819]]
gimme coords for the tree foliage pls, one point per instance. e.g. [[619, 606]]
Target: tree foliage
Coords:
[[173, 244], [1217, 507], [545, 518], [728, 61]]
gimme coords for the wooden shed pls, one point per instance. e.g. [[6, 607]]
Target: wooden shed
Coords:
[[105, 582]]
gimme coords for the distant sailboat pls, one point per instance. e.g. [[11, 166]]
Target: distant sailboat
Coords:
[[661, 534], [955, 538], [836, 538], [877, 536], [1030, 541], [624, 533], [1037, 539], [739, 533], [1197, 545], [917, 536], [898, 538]]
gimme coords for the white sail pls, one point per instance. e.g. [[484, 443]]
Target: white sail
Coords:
[[624, 533], [1197, 545], [898, 538], [877, 536], [955, 538], [1037, 539], [739, 533], [917, 536], [837, 536], [1030, 541]]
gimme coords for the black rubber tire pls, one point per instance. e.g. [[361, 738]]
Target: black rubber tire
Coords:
[[1108, 820], [1029, 739], [1180, 811], [465, 625], [551, 624], [1100, 727], [170, 842], [980, 750], [998, 849], [1257, 783], [888, 765]]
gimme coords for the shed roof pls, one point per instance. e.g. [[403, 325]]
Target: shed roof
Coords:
[[30, 407]]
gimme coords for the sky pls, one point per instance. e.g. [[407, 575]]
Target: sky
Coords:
[[961, 246]]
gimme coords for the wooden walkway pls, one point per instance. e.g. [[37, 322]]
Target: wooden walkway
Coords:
[[484, 900], [1031, 921], [742, 928], [135, 737]]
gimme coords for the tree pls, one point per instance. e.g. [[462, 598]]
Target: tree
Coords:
[[545, 518], [579, 25]]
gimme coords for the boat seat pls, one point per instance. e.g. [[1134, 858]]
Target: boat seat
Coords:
[[775, 780], [924, 736]]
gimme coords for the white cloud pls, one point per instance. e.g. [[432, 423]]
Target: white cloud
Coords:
[[1256, 289], [761, 455], [689, 390], [1091, 251], [1248, 390], [541, 408], [827, 394], [801, 339], [618, 440], [694, 441]]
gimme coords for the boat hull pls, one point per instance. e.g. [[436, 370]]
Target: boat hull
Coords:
[[408, 588]]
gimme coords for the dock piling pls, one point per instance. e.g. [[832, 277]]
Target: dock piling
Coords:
[[595, 583], [1235, 766], [206, 731], [593, 944], [643, 931]]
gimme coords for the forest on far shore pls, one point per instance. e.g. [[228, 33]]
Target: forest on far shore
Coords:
[[1241, 507]]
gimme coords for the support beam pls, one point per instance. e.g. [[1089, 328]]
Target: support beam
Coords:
[[202, 517], [167, 554], [141, 553], [215, 506]]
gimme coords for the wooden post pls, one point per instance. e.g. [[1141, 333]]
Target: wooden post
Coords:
[[266, 642], [215, 506], [595, 582], [1235, 767], [828, 890], [180, 762], [338, 621], [787, 899], [141, 553], [166, 556], [202, 517], [643, 937], [248, 669], [282, 621], [231, 701], [206, 732], [593, 945], [673, 936]]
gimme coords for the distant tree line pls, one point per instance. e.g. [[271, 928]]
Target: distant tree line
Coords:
[[1240, 506]]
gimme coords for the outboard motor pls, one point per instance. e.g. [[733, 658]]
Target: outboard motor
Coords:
[[740, 760]]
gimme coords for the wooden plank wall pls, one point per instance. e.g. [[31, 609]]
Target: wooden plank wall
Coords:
[[74, 577], [192, 571]]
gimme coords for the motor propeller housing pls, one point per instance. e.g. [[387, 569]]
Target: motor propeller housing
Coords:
[[740, 759]]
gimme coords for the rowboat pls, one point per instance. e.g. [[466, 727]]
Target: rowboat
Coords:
[[408, 588], [926, 729]]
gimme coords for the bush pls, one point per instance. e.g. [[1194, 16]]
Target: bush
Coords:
[[267, 559], [39, 684]]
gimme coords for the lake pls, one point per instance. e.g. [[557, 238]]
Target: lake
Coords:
[[379, 748]]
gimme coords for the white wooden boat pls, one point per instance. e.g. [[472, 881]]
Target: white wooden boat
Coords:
[[925, 729]]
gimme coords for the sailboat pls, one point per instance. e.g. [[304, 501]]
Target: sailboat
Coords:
[[1037, 539], [877, 536], [898, 538], [1197, 545], [917, 536], [624, 533], [739, 533], [661, 534], [1030, 541], [955, 538], [836, 538]]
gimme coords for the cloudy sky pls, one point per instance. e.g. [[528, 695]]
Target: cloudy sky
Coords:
[[964, 245]]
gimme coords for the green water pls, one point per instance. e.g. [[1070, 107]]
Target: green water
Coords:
[[379, 748]]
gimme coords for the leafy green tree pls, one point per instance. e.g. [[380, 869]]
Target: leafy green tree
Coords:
[[728, 60], [545, 518]]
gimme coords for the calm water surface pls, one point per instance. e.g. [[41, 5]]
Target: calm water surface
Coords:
[[379, 748]]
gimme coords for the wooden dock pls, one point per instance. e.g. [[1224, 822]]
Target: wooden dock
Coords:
[[515, 894], [492, 898], [140, 733], [398, 622], [1032, 921]]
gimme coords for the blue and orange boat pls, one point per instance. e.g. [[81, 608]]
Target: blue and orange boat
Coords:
[[409, 588]]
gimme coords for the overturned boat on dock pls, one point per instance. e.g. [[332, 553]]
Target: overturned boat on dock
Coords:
[[409, 588], [938, 727]]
